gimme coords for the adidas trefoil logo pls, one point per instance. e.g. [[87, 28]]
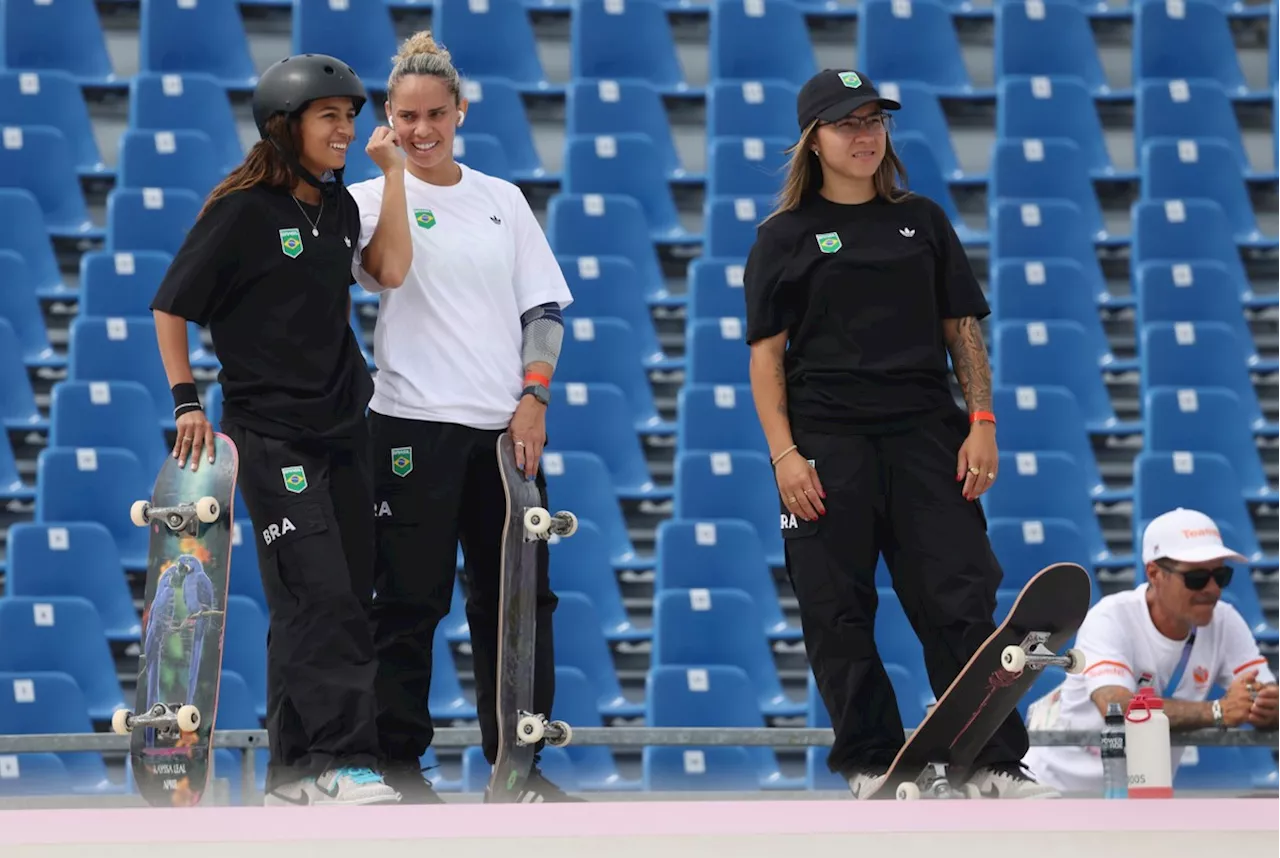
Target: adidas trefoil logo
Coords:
[[496, 219], [906, 232]]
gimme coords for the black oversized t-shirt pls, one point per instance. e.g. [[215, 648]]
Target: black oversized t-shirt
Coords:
[[861, 291], [275, 300]]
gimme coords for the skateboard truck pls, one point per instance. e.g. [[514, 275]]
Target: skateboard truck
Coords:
[[531, 729], [179, 518], [1034, 654], [932, 783], [163, 716], [538, 523]]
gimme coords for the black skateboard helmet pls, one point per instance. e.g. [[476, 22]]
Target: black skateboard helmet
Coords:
[[289, 85]]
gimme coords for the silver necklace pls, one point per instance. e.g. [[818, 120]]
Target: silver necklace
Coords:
[[315, 224]]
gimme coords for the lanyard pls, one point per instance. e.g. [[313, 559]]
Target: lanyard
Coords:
[[1181, 668]]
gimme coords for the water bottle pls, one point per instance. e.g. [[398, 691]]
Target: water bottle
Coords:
[[1147, 747], [1115, 769]]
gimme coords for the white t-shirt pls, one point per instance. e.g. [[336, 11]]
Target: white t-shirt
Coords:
[[448, 341], [1123, 646]]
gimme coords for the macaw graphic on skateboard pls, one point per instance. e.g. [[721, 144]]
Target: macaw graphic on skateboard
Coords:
[[183, 622]]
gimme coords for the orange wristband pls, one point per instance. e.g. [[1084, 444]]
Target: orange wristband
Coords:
[[982, 415], [534, 378]]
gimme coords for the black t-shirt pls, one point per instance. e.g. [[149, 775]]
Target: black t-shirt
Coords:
[[275, 300], [861, 291]]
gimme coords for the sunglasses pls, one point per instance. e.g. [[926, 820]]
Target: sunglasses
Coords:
[[1198, 579]]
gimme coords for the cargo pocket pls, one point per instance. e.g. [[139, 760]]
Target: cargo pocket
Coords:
[[295, 548]]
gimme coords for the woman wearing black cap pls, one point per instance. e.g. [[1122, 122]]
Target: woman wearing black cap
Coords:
[[268, 267], [856, 292]]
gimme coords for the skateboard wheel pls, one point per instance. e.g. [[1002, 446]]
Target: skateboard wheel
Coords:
[[138, 513], [530, 729], [120, 722], [208, 510], [188, 719], [568, 523], [537, 521], [1013, 659], [1076, 661], [908, 792], [566, 734]]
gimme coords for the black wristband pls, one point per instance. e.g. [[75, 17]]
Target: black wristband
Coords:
[[185, 398]]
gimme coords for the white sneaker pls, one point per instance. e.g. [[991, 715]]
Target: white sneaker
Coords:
[[354, 786], [1009, 782], [866, 784], [299, 793]]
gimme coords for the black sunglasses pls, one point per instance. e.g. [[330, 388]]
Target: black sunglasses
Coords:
[[1198, 579]]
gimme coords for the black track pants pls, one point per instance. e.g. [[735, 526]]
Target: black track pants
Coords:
[[311, 510], [897, 495], [452, 492]]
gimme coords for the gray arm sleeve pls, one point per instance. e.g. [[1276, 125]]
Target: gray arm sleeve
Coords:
[[543, 331]]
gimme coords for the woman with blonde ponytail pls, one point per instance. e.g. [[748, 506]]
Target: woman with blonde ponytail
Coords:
[[466, 350], [857, 290]]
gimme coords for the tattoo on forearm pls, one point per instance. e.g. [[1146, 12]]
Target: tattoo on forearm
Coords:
[[973, 370], [780, 376]]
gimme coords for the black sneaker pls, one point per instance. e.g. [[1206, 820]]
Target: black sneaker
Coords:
[[408, 780], [537, 789]]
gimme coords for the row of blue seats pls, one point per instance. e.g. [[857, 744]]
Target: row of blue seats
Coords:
[[909, 40]]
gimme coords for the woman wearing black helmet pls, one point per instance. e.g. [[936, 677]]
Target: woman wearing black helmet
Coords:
[[267, 268], [856, 293]]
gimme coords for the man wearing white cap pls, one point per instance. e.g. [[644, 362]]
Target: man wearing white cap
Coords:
[[1172, 633]]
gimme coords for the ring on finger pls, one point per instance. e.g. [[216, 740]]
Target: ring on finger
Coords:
[[990, 475], [791, 499], [974, 471]]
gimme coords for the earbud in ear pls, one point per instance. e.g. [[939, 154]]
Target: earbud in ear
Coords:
[[462, 117]]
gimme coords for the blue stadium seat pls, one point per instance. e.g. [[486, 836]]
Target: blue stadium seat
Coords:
[[1198, 43], [608, 225], [581, 644], [236, 712], [609, 287], [40, 159], [446, 700], [195, 101], [737, 484], [120, 284], [581, 564], [924, 176], [1199, 354], [150, 219], [1044, 107], [1208, 420], [596, 418], [717, 351], [751, 108], [360, 32], [62, 634], [17, 399], [245, 576], [1040, 486], [12, 486], [718, 417], [52, 98], [23, 230], [912, 41], [1197, 480], [624, 40], [97, 486], [1189, 230], [360, 166], [1202, 168], [713, 696], [604, 351], [1051, 39], [575, 703], [627, 165], [922, 114], [180, 159], [42, 702], [1202, 290], [1049, 229], [607, 107], [30, 775], [1055, 353], [483, 153], [244, 647], [1047, 418], [1186, 109], [738, 30], [491, 40], [66, 36], [709, 769], [495, 108], [1031, 170], [20, 307], [121, 349], [1024, 546], [897, 645], [730, 224], [580, 481], [1227, 769], [1025, 290], [715, 288], [73, 559], [720, 554], [747, 166], [107, 414], [182, 37]]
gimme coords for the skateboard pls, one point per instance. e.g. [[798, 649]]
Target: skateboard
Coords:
[[519, 728], [1045, 616], [183, 621]]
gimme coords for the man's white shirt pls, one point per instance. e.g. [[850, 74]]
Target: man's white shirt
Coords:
[[1122, 647], [448, 341]]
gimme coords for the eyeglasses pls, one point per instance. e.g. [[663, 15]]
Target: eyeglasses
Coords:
[[877, 123], [1198, 579]]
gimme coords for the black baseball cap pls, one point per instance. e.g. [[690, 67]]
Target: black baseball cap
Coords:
[[832, 94]]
